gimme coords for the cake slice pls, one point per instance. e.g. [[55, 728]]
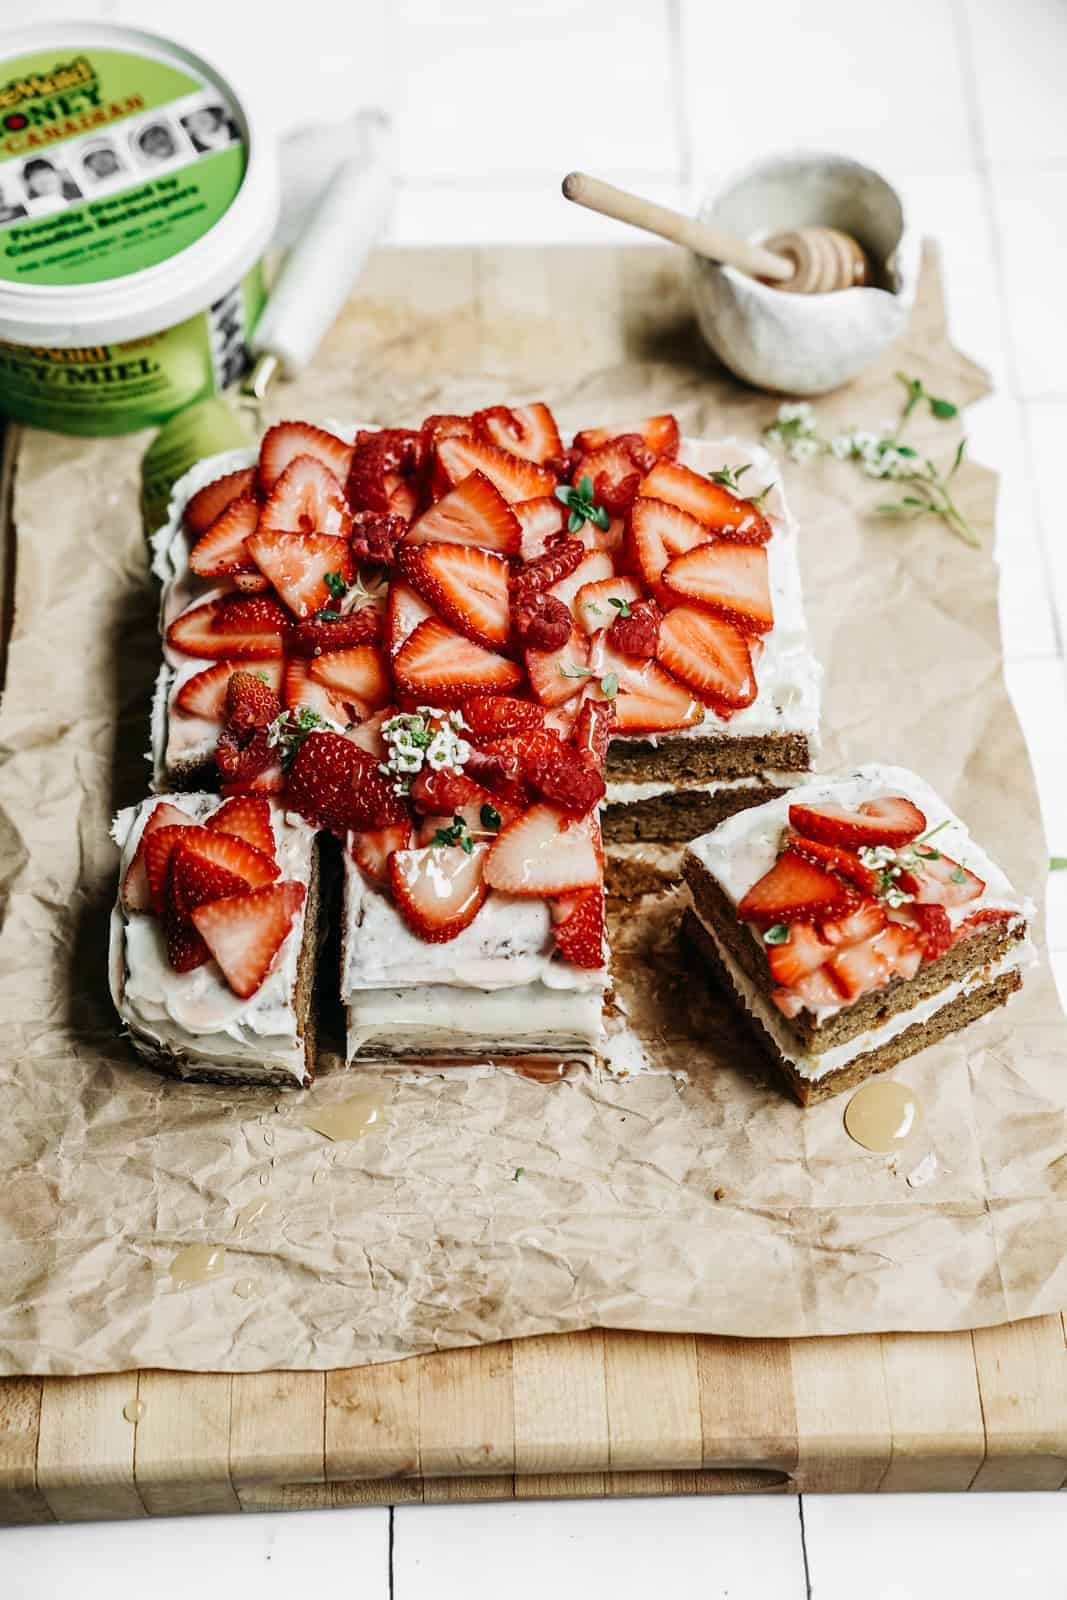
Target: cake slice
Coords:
[[853, 922], [214, 938]]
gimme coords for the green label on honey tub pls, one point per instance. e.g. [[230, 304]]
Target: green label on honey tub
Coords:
[[109, 163]]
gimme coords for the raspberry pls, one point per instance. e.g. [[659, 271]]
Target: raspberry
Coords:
[[637, 634], [616, 469], [561, 557], [566, 781], [539, 621], [334, 784], [935, 929], [563, 465], [242, 754], [499, 773], [376, 455], [317, 634], [250, 702], [375, 536]]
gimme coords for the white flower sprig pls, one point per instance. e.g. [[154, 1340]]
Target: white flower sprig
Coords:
[[881, 454], [428, 737]]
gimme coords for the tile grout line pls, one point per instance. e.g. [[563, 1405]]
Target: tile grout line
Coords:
[[804, 1548], [985, 177]]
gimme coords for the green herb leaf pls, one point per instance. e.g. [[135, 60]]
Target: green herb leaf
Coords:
[[958, 876], [453, 835], [327, 616], [576, 672], [600, 515], [563, 492], [518, 1174], [575, 522], [901, 449], [585, 487], [779, 934], [609, 684], [490, 818], [943, 408], [623, 606], [931, 832], [336, 584], [1057, 864]]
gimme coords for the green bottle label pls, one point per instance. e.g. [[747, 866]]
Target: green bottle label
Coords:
[[109, 163]]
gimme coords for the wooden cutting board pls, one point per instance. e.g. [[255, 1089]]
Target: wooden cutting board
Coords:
[[593, 1414]]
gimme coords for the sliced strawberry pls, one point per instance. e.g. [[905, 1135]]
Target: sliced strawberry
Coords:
[[256, 867], [579, 927], [710, 655], [935, 929], [593, 734], [902, 950], [557, 675], [268, 778], [615, 471], [545, 852], [529, 431], [715, 506], [473, 513], [301, 691], [817, 989], [494, 716], [730, 579], [247, 817], [368, 735], [803, 953], [648, 700], [307, 498], [158, 849], [636, 631], [250, 701], [937, 880], [864, 922], [227, 628], [835, 859], [222, 549], [251, 582], [205, 694], [372, 848], [135, 892], [563, 719], [439, 889], [405, 611], [596, 605], [466, 586], [207, 504], [655, 535], [793, 890], [375, 536], [297, 565], [539, 519], [443, 425], [186, 950], [383, 462], [858, 969], [335, 784], [356, 675], [891, 820], [982, 919], [594, 567], [195, 879], [245, 932], [435, 792], [659, 433], [515, 478], [330, 630], [438, 665], [283, 443]]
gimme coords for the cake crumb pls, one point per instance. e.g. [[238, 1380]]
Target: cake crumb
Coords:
[[719, 1194]]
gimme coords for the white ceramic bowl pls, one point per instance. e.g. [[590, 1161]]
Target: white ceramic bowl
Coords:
[[805, 344]]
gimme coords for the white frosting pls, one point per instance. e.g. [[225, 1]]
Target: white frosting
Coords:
[[624, 794], [430, 1017], [815, 1064], [197, 1013]]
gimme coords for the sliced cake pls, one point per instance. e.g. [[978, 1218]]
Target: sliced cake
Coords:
[[214, 938], [853, 921]]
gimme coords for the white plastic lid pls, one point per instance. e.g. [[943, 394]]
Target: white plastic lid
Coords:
[[135, 302]]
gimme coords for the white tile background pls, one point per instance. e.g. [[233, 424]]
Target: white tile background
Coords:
[[962, 103]]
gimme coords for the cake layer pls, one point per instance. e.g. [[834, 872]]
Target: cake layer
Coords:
[[496, 987], [192, 1024], [811, 1079], [662, 812]]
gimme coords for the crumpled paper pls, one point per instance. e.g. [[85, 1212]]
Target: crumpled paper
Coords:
[[695, 1198]]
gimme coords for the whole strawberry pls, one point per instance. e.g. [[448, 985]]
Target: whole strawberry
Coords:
[[334, 784], [636, 633], [250, 702]]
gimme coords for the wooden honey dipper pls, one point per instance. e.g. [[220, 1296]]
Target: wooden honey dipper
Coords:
[[805, 260]]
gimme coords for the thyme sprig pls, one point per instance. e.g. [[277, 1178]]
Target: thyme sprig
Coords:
[[582, 506]]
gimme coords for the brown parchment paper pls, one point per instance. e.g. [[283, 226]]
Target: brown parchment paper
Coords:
[[481, 1209]]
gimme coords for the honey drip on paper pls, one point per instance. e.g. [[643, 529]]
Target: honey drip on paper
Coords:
[[883, 1115], [133, 1411], [349, 1119], [250, 1214], [197, 1263], [245, 1288]]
